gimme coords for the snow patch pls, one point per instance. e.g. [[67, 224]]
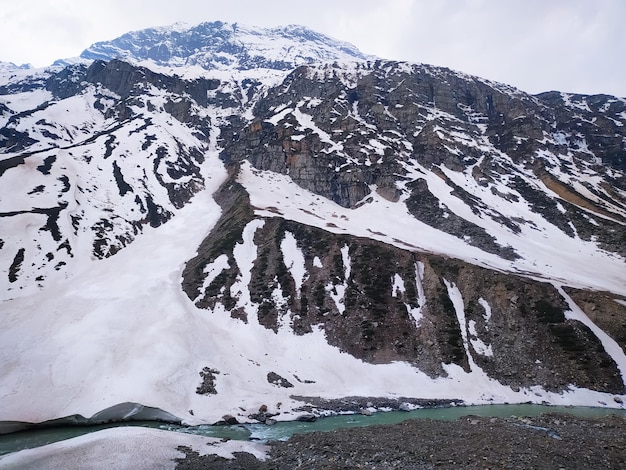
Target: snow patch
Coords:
[[581, 262], [211, 271], [126, 447], [397, 286], [294, 260], [485, 305], [479, 346], [338, 291]]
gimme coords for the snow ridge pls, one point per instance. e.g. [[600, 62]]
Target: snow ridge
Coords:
[[224, 46]]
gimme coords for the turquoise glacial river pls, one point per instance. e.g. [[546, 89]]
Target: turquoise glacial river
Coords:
[[283, 430]]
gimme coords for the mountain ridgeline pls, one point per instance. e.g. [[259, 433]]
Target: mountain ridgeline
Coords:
[[409, 212]]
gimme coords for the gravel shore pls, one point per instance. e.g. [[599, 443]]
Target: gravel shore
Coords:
[[548, 441]]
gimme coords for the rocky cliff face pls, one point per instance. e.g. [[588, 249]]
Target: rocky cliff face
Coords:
[[410, 213], [382, 304], [343, 131], [349, 132]]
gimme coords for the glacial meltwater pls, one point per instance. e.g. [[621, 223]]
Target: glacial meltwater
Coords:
[[282, 430]]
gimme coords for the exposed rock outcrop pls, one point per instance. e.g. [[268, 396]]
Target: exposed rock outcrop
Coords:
[[382, 304]]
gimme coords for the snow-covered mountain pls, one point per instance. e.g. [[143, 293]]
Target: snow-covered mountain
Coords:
[[224, 46], [10, 66], [206, 220]]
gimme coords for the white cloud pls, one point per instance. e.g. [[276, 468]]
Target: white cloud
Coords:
[[571, 45], [373, 26]]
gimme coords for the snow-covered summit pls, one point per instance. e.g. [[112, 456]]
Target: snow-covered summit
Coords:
[[10, 66], [220, 45]]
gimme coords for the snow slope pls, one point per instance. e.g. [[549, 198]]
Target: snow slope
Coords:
[[575, 262], [122, 330], [138, 448]]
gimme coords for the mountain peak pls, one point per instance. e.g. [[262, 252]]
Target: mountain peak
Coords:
[[9, 66], [220, 45]]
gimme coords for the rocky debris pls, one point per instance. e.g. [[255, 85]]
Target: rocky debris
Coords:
[[264, 416], [275, 379], [207, 387], [229, 419], [548, 441], [14, 269], [323, 406]]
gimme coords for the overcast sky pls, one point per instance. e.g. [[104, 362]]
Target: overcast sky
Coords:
[[536, 45]]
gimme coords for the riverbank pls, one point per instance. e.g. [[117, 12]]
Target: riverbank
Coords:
[[548, 441]]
